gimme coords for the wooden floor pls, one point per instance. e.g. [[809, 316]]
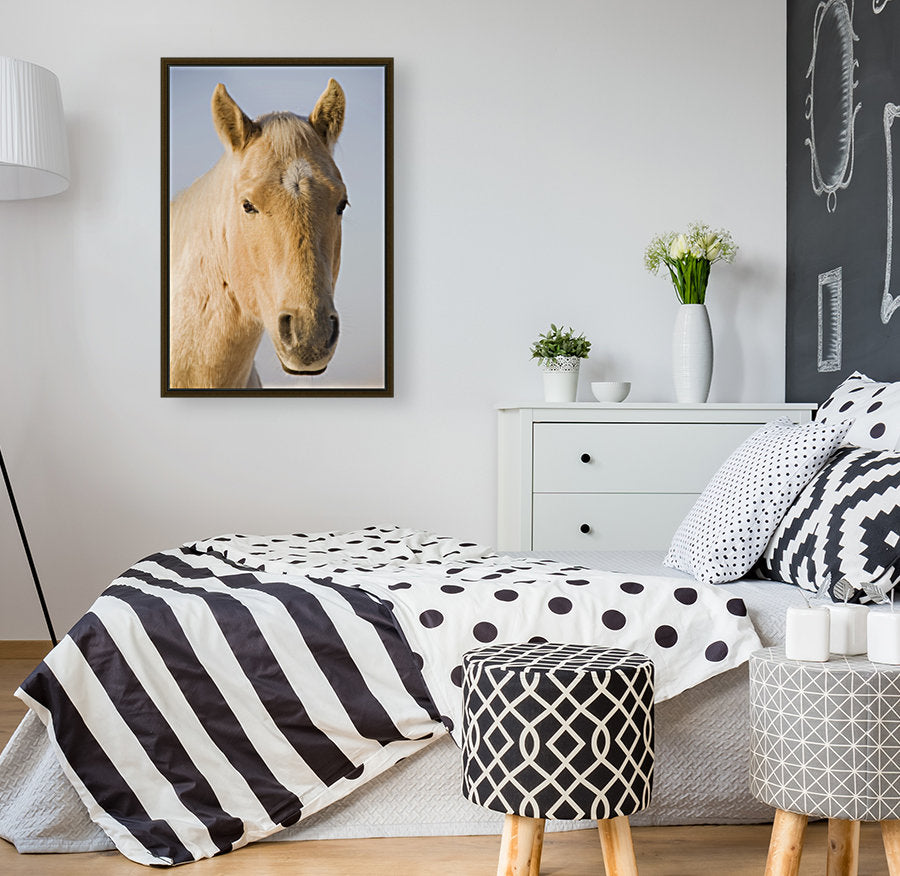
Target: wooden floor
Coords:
[[661, 851]]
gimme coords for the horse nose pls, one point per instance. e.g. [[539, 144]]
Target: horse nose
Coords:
[[335, 331], [286, 328], [291, 329]]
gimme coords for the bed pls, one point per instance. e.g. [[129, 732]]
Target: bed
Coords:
[[701, 734], [376, 621]]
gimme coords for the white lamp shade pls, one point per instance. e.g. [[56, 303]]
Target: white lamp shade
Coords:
[[34, 156]]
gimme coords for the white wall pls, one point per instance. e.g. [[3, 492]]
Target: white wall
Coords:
[[538, 146]]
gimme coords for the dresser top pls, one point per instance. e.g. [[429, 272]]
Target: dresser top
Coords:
[[660, 406], [655, 412]]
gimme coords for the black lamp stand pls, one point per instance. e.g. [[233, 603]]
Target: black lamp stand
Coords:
[[34, 574]]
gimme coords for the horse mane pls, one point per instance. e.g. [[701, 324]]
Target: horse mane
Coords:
[[284, 130]]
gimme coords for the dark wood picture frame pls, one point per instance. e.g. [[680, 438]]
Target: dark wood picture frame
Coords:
[[355, 124]]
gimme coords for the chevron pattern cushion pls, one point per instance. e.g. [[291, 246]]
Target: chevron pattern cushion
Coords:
[[825, 737], [844, 524], [872, 407], [558, 731]]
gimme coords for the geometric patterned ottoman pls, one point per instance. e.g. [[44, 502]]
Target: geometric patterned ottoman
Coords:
[[825, 741], [558, 731]]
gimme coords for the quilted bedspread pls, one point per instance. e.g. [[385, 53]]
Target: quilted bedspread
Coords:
[[219, 692]]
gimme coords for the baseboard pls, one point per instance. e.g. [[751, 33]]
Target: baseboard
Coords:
[[24, 649]]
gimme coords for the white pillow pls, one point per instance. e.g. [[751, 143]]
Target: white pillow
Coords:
[[728, 528], [873, 408]]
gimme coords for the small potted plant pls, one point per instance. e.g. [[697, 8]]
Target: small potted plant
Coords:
[[559, 353]]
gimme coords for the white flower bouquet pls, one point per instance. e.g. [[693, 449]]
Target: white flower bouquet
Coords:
[[688, 257]]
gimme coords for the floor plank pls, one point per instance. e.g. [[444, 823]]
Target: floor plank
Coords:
[[12, 673], [661, 851]]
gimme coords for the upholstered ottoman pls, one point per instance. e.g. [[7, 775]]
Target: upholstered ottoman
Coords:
[[825, 741], [558, 731]]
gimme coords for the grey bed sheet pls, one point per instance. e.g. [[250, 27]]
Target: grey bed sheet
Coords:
[[702, 759]]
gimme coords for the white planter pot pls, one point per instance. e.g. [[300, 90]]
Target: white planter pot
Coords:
[[692, 354], [561, 379]]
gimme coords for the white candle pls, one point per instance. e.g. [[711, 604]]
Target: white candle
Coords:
[[848, 628], [884, 637], [807, 634]]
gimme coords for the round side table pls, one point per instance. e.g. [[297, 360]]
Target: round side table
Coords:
[[825, 741]]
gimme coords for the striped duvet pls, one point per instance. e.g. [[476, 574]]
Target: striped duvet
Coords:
[[217, 693]]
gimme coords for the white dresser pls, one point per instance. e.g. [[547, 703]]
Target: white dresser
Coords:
[[591, 476]]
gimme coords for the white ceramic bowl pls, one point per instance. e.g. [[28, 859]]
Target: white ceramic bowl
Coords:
[[611, 390]]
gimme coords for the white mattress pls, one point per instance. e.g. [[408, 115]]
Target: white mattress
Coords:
[[702, 756]]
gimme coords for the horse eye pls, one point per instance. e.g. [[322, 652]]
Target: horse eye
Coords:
[[342, 206], [249, 208]]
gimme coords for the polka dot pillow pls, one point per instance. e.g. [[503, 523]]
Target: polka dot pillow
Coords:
[[728, 528], [872, 407]]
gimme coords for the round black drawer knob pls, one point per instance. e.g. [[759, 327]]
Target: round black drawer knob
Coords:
[[585, 528], [585, 457]]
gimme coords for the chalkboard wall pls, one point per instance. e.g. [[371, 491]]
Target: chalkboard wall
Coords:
[[843, 193]]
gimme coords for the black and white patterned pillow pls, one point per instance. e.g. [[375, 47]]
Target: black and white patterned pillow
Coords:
[[731, 522], [873, 408], [844, 524]]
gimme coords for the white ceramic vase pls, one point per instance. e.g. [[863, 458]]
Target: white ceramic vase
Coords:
[[692, 354], [561, 378]]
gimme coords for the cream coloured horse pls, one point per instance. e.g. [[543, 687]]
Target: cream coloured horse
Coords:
[[255, 245]]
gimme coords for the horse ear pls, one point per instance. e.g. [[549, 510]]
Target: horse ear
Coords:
[[327, 118], [232, 125]]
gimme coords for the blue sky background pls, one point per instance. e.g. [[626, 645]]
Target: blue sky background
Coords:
[[194, 147]]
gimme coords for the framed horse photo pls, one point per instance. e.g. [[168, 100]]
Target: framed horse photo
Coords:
[[277, 227]]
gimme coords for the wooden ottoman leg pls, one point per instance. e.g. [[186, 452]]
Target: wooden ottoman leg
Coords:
[[786, 844], [843, 847], [520, 846], [618, 850], [890, 831]]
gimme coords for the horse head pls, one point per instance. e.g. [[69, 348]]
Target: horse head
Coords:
[[282, 223]]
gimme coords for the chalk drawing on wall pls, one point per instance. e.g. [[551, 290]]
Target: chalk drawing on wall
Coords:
[[831, 295], [889, 302], [831, 73], [878, 5]]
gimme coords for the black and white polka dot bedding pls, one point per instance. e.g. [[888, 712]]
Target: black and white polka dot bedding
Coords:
[[220, 692], [369, 549], [449, 597]]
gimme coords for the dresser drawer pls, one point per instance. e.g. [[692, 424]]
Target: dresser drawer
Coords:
[[631, 457], [615, 521]]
